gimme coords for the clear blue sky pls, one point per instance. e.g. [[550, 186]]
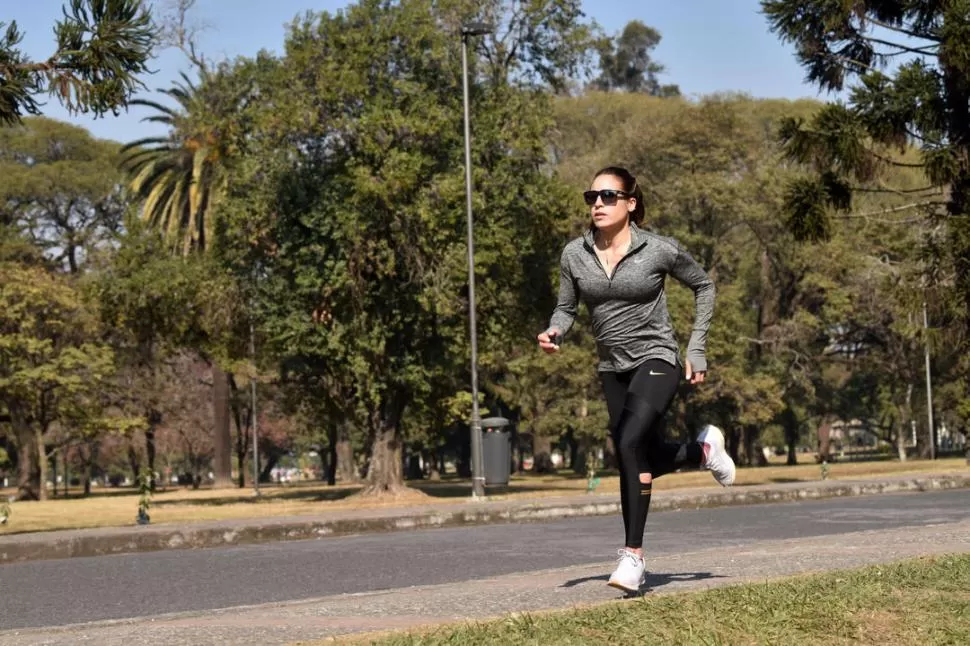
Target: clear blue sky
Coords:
[[708, 45]]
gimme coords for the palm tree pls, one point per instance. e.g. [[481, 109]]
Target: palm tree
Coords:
[[178, 179]]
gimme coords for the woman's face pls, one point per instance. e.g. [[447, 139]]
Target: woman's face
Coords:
[[610, 206]]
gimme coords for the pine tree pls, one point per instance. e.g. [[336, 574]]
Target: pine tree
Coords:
[[910, 63]]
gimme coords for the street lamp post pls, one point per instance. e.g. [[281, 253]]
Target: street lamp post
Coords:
[[929, 383], [252, 351], [478, 466]]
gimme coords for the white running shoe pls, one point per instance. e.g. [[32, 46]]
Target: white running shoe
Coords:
[[629, 572], [718, 460]]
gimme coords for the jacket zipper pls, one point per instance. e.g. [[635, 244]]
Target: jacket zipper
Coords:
[[616, 267]]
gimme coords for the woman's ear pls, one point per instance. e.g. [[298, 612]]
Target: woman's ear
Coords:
[[631, 205]]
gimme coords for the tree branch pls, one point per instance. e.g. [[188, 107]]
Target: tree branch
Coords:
[[922, 138], [846, 62], [181, 35], [893, 162], [902, 48], [894, 191], [895, 209], [900, 30]]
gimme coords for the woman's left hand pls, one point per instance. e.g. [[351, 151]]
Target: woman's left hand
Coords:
[[695, 377]]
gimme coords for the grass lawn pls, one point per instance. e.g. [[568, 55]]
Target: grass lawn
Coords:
[[923, 602], [117, 507]]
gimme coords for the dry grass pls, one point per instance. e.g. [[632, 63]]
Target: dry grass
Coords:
[[117, 507]]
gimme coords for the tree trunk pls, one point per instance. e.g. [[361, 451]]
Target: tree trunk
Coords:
[[28, 475], [244, 429], [242, 447], [150, 454], [344, 452], [542, 454], [733, 440], [271, 461], [384, 473], [41, 463], [584, 448], [54, 478], [90, 458], [222, 433], [824, 441], [573, 446], [957, 91], [753, 454], [792, 435], [434, 470], [907, 416], [331, 457], [385, 476], [463, 460], [609, 454], [133, 461], [414, 470]]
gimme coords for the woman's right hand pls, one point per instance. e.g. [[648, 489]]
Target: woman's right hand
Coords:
[[546, 340]]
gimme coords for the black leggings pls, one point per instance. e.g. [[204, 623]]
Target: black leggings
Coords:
[[638, 401]]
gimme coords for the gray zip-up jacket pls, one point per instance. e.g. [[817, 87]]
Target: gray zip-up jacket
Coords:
[[629, 309]]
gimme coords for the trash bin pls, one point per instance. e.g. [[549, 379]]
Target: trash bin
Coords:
[[496, 450]]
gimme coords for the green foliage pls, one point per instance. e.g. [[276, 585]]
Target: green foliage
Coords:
[[360, 241], [626, 62], [102, 47], [178, 177], [922, 103], [151, 300], [47, 341], [52, 366], [59, 191]]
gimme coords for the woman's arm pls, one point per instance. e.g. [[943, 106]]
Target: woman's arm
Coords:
[[690, 273], [565, 312]]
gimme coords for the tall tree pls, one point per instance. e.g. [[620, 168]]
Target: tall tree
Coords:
[[102, 47], [358, 215], [59, 189], [51, 365], [626, 62], [923, 102], [178, 179]]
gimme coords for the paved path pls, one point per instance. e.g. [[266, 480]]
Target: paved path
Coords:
[[282, 592], [248, 531]]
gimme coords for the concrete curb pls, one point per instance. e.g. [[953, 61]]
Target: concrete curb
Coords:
[[121, 540]]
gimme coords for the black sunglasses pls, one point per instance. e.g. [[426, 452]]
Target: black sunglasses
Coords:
[[609, 196]]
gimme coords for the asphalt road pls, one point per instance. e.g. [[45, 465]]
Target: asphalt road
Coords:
[[59, 592]]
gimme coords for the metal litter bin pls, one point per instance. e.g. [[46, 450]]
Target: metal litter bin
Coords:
[[496, 450]]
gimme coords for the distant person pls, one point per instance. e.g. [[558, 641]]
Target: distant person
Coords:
[[618, 270]]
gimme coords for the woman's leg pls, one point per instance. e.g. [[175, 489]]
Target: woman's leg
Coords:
[[666, 457], [614, 388], [641, 445]]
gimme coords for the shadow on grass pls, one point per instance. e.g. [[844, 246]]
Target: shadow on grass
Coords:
[[653, 580]]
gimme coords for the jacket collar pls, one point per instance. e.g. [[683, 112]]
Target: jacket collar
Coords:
[[638, 238]]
